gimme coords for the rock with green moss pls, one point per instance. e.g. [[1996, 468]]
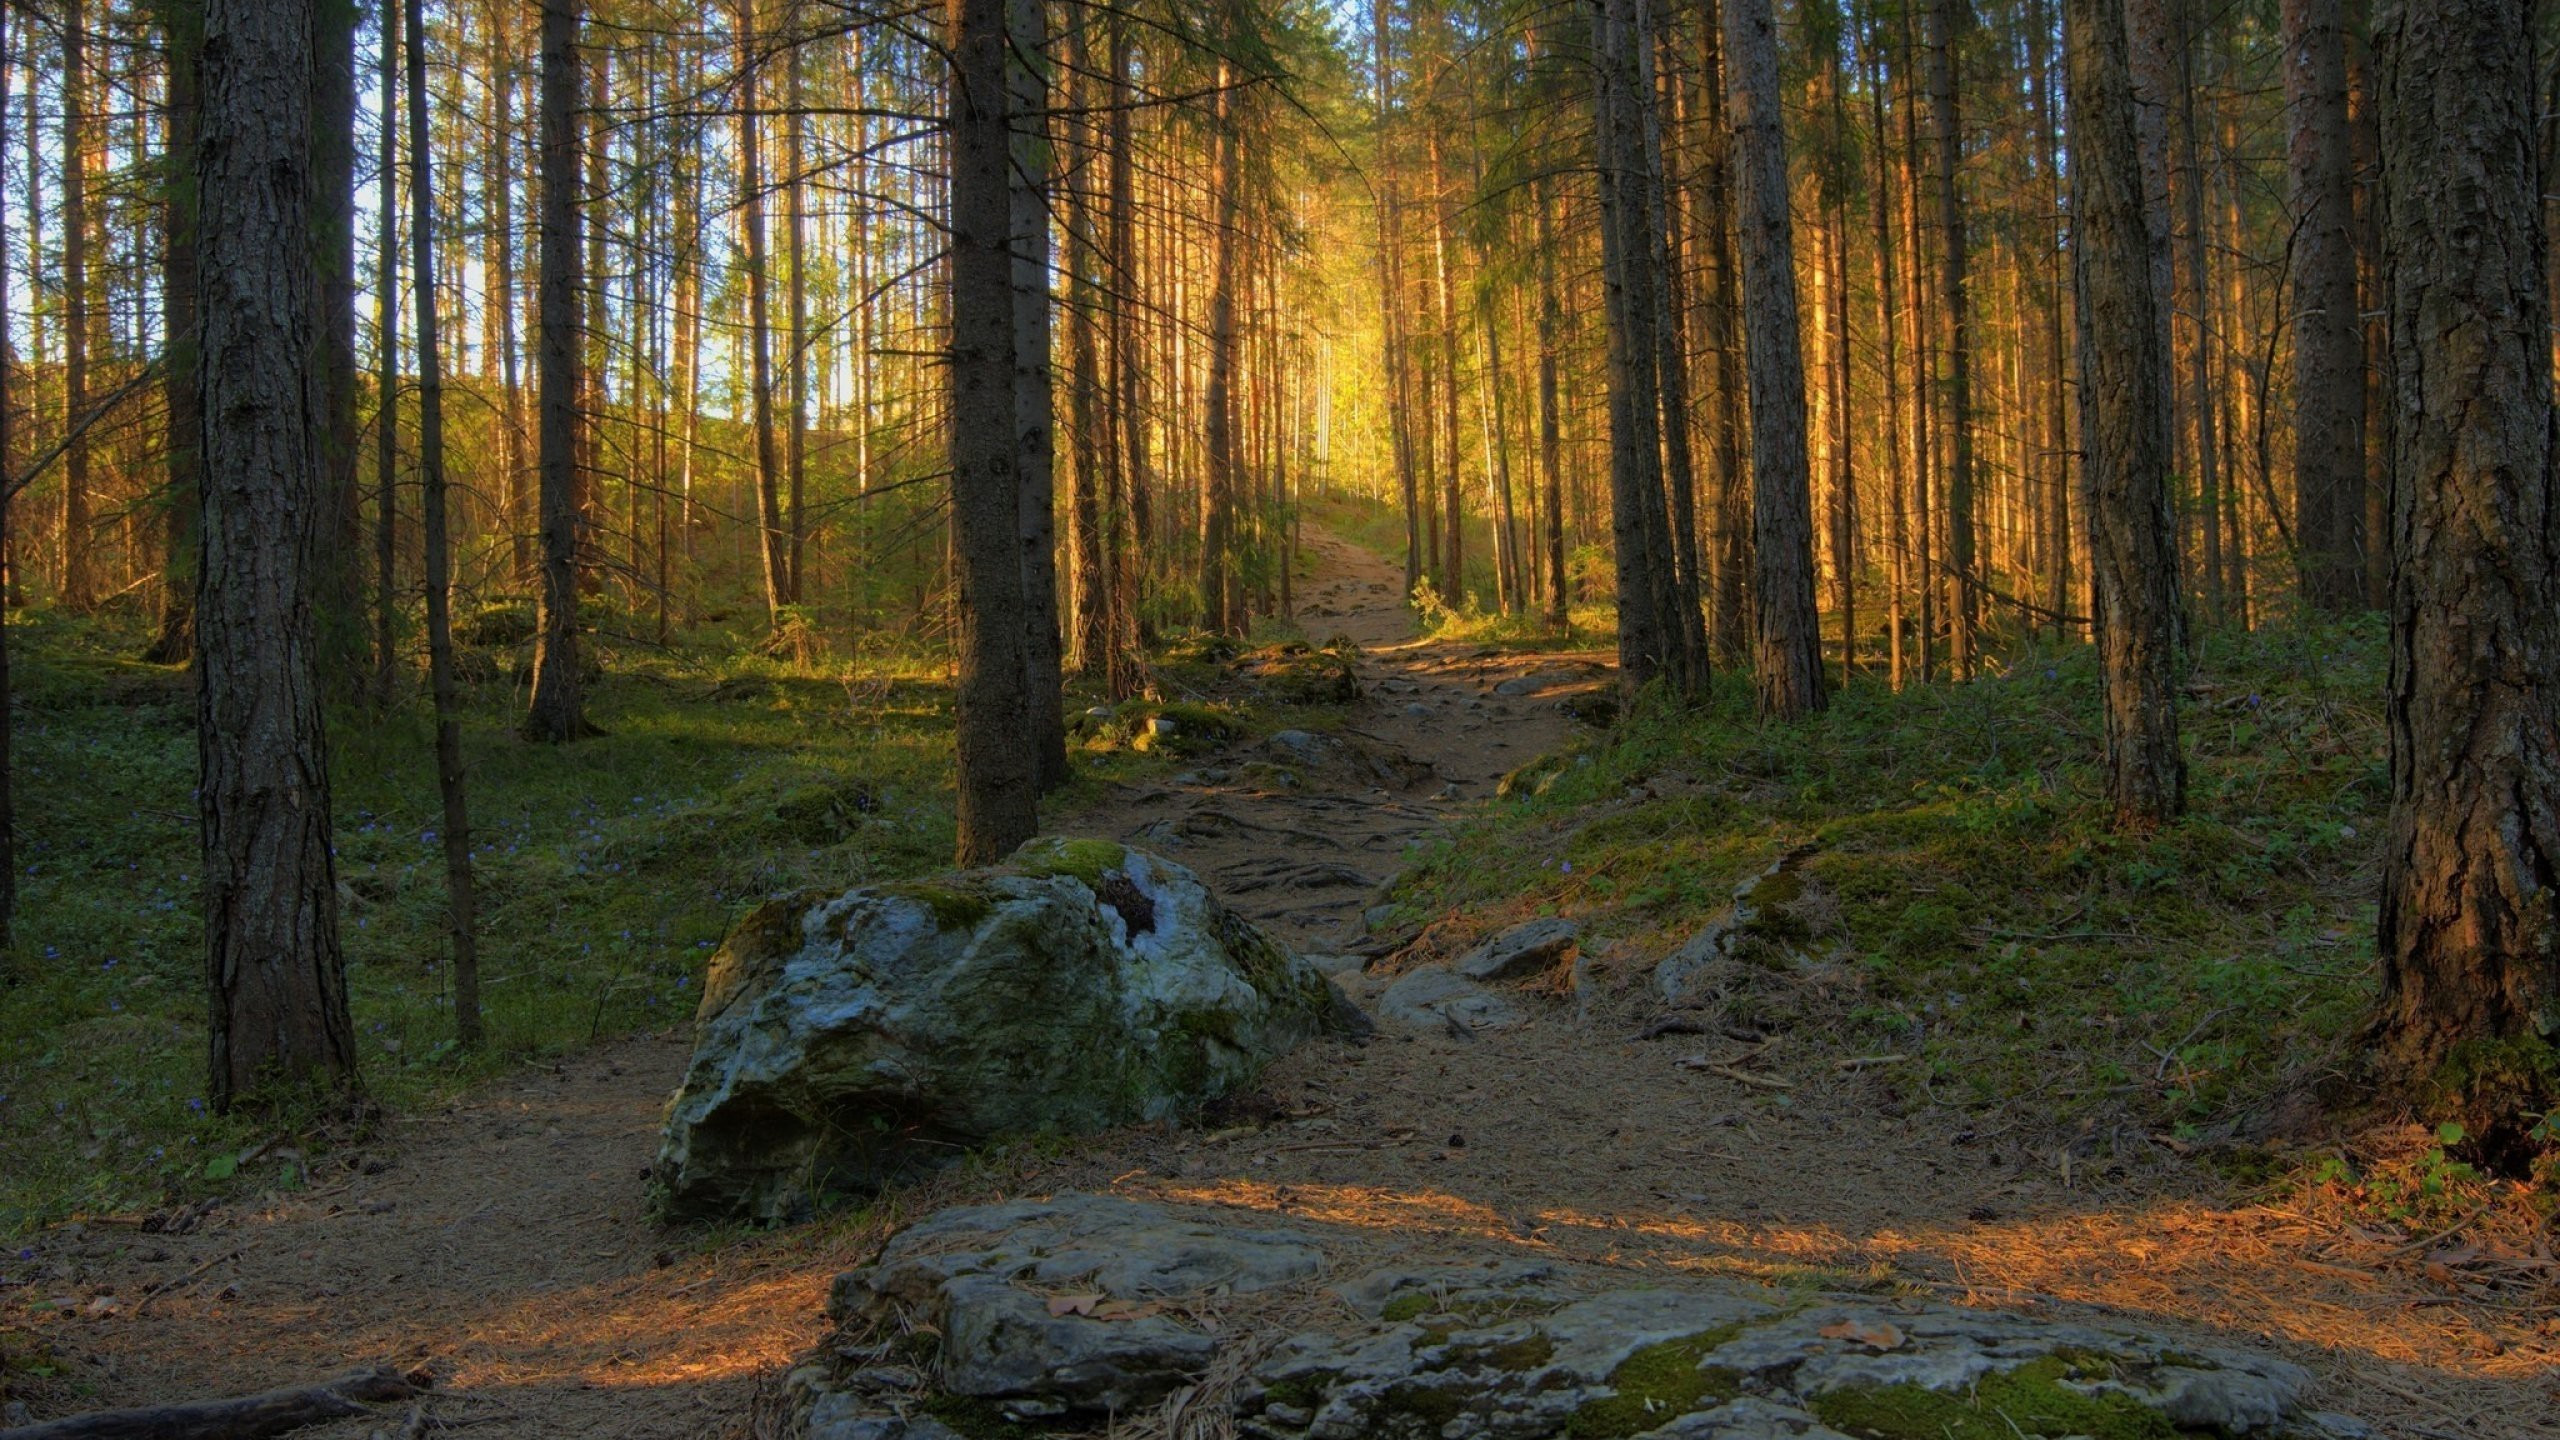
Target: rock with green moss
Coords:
[[1733, 1362], [1057, 1313], [847, 1040], [1057, 1308]]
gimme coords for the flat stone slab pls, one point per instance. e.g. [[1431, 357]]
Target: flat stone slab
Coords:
[[1054, 1312], [1434, 1000], [1520, 951]]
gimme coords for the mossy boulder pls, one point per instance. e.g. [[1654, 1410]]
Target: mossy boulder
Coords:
[[1298, 674], [848, 1040]]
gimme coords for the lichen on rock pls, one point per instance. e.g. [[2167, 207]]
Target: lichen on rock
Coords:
[[848, 1040]]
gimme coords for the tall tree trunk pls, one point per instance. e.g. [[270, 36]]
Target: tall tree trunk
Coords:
[[1671, 363], [1961, 618], [275, 972], [2470, 941], [998, 774], [174, 639], [9, 467], [386, 401], [460, 900], [1391, 299], [2057, 448], [1550, 413], [1034, 404], [1128, 513], [521, 524], [1453, 509], [333, 237], [1729, 608], [772, 550], [558, 712], [1090, 418], [2328, 341], [1647, 646], [79, 581], [2195, 288], [1787, 632], [2132, 547], [1217, 498], [1889, 330], [795, 228]]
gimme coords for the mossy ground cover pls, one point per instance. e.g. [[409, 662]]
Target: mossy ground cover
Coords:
[[2000, 931], [609, 870]]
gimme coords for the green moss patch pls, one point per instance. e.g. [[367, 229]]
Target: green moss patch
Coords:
[[1656, 1383], [1085, 860], [2033, 1400]]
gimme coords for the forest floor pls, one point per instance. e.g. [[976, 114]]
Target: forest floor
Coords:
[[502, 1241]]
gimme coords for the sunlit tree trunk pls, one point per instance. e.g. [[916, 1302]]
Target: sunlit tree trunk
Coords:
[[998, 773], [2470, 939], [1786, 651], [1953, 294], [771, 550], [2133, 549], [1035, 443], [1729, 607], [558, 712], [276, 974], [1217, 497], [1550, 413], [9, 466], [1647, 647], [461, 929], [1889, 331]]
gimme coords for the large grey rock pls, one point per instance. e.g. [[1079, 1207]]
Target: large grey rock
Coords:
[[1502, 1349], [1523, 949], [983, 1277], [847, 1040], [1723, 1361], [1431, 1000]]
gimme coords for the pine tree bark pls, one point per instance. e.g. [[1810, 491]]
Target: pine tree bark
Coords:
[[1550, 412], [1646, 647], [558, 711], [1962, 619], [2133, 549], [460, 893], [277, 977], [998, 774], [795, 228], [1127, 513], [386, 387], [1729, 483], [333, 239], [1034, 399], [1217, 499], [772, 551], [2328, 340], [174, 639], [2470, 940], [1786, 650], [78, 591], [1889, 332], [9, 466]]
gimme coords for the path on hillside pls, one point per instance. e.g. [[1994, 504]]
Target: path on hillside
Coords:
[[503, 1243]]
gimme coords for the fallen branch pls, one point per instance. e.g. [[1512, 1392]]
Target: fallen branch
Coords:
[[248, 1417]]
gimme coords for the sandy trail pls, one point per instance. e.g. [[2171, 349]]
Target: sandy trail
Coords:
[[503, 1243]]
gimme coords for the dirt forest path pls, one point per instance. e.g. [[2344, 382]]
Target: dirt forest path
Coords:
[[503, 1243]]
